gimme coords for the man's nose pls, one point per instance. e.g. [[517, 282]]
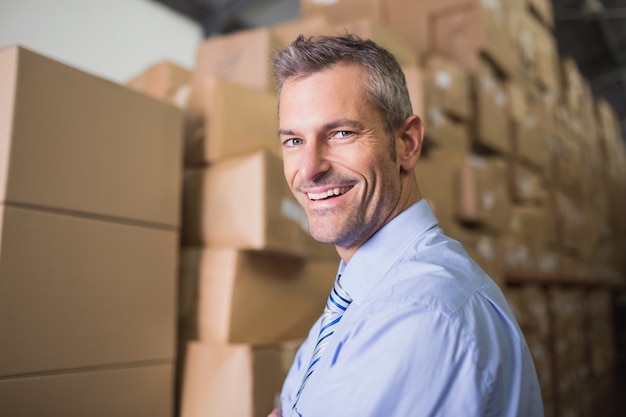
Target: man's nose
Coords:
[[313, 162]]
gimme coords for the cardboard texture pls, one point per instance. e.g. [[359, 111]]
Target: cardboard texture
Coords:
[[447, 86], [341, 11], [235, 120], [491, 125], [287, 32], [531, 137], [526, 186], [230, 380], [471, 31], [534, 223], [519, 256], [163, 81], [446, 132], [415, 84], [436, 177], [78, 292], [371, 28], [542, 9], [245, 203], [130, 391], [482, 192], [243, 296], [72, 141]]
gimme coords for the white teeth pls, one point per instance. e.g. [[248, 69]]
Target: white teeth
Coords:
[[326, 194]]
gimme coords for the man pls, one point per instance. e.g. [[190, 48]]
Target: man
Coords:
[[416, 328]]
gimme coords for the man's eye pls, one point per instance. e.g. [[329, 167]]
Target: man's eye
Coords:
[[342, 134], [293, 142]]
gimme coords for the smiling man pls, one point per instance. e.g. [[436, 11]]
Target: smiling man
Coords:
[[413, 327]]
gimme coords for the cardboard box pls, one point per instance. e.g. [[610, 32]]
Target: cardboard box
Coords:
[[436, 175], [341, 11], [531, 138], [526, 186], [447, 86], [230, 380], [491, 125], [519, 256], [72, 141], [235, 119], [537, 223], [163, 81], [78, 292], [254, 297], [372, 28], [287, 32], [266, 216], [446, 132], [482, 193], [125, 391], [542, 9], [472, 30], [414, 77]]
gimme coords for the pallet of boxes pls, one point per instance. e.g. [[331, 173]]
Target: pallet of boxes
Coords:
[[90, 174]]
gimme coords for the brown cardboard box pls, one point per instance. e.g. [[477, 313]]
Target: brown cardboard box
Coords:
[[482, 195], [162, 80], [531, 139], [543, 10], [491, 125], [446, 132], [72, 141], [527, 186], [519, 256], [244, 202], [80, 292], [537, 223], [414, 77], [230, 380], [341, 11], [287, 32], [436, 175], [236, 119], [471, 30], [125, 391], [254, 297], [447, 86], [371, 28]]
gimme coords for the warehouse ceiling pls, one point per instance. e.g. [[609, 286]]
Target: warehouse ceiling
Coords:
[[592, 32]]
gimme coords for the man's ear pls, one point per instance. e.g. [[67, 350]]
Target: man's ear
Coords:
[[409, 145]]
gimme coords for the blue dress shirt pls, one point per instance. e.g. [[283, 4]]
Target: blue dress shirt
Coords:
[[428, 333]]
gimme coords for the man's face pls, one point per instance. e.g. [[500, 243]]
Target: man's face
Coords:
[[338, 159]]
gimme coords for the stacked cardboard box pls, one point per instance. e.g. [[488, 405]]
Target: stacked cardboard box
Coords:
[[90, 175], [252, 280]]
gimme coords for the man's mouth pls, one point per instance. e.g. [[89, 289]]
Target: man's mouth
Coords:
[[332, 192]]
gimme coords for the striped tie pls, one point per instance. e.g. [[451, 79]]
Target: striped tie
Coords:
[[338, 302]]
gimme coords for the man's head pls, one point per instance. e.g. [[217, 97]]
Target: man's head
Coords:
[[386, 88], [349, 139]]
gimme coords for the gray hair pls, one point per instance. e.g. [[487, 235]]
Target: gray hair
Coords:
[[386, 91]]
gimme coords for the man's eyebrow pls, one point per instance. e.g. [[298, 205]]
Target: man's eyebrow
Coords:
[[353, 124], [286, 132]]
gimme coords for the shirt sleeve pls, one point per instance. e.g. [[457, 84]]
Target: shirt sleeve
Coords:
[[409, 362]]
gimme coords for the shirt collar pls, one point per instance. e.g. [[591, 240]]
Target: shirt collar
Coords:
[[378, 254]]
